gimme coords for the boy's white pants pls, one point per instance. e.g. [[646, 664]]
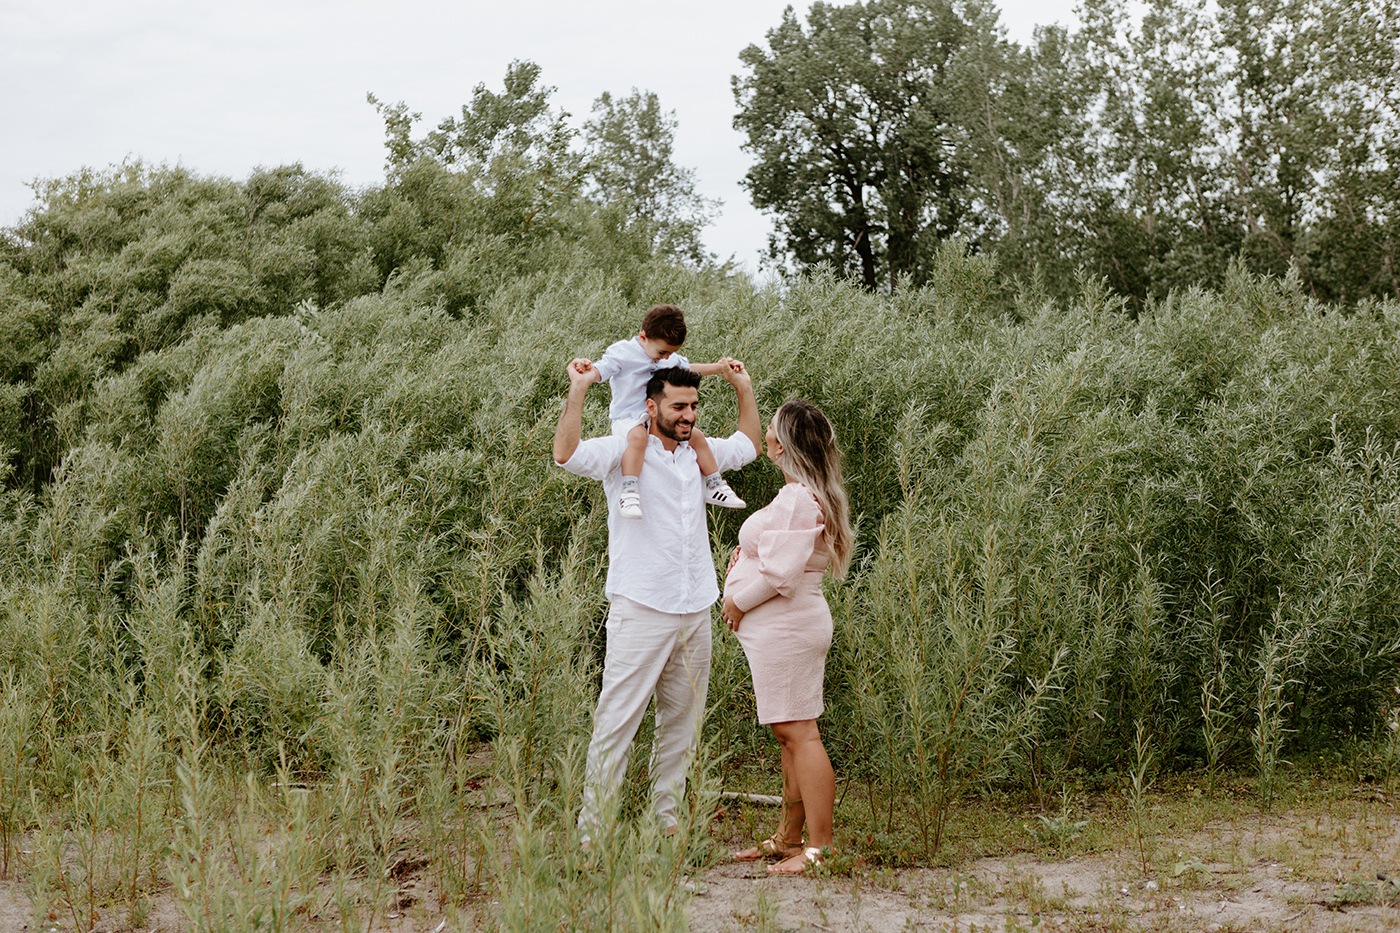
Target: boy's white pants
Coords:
[[648, 653], [621, 427]]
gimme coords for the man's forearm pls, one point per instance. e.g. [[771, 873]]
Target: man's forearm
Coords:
[[570, 428], [748, 414]]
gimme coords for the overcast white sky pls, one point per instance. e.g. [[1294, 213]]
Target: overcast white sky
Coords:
[[222, 87]]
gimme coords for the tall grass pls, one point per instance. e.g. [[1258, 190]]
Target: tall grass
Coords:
[[307, 600]]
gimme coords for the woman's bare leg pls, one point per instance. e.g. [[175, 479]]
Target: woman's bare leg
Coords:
[[805, 759], [794, 811]]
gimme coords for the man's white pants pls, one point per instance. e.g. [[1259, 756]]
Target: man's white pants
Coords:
[[648, 652]]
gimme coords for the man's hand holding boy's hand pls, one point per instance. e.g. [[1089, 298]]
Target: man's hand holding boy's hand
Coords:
[[735, 373], [581, 369]]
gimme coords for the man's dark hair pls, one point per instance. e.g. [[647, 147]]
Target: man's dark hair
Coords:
[[672, 376], [665, 322]]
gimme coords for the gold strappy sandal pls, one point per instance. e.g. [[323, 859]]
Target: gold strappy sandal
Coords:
[[772, 847], [797, 863]]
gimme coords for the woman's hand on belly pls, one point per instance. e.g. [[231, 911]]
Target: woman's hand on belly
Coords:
[[731, 613]]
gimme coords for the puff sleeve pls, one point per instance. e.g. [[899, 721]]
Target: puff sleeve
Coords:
[[776, 561]]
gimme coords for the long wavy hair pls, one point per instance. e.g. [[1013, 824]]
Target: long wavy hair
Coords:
[[811, 456]]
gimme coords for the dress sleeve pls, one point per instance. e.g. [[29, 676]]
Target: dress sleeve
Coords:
[[785, 546]]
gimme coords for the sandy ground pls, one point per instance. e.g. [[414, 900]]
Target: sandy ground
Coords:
[[1314, 871], [1024, 893], [1329, 869], [1332, 865]]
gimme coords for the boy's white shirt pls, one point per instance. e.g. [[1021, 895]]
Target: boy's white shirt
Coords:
[[627, 367]]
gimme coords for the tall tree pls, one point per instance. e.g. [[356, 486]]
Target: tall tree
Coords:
[[629, 143], [1024, 133], [511, 163], [850, 121], [510, 147], [1349, 224], [1162, 213], [1280, 130], [1254, 129]]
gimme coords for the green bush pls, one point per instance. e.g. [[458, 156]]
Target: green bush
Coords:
[[313, 533]]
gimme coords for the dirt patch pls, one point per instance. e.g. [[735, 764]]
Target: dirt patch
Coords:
[[1335, 867], [1024, 893], [1314, 872], [15, 912]]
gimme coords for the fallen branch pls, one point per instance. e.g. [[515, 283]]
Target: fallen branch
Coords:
[[768, 799]]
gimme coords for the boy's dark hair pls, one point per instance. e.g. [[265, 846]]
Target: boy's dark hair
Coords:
[[672, 376], [665, 322]]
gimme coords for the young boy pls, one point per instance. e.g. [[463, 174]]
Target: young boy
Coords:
[[628, 364]]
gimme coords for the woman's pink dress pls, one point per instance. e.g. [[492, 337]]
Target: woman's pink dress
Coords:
[[777, 581]]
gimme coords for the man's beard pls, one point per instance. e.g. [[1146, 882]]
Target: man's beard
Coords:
[[673, 428]]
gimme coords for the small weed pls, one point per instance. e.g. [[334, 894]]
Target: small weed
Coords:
[[1136, 793], [763, 918], [960, 893], [1193, 871], [1057, 832], [890, 851], [1030, 890], [838, 862], [1359, 893]]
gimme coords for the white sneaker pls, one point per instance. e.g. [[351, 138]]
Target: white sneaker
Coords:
[[721, 495], [630, 505]]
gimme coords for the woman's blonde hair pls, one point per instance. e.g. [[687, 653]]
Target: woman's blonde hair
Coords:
[[810, 455]]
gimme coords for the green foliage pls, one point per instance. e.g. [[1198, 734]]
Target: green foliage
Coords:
[[115, 265], [113, 269], [1152, 146], [1238, 130], [850, 120], [281, 549], [509, 170], [512, 146], [629, 143]]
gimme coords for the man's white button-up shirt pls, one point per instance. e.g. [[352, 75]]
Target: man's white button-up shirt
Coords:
[[661, 560]]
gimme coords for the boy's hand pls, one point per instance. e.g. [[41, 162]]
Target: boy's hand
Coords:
[[583, 367], [734, 372], [582, 371]]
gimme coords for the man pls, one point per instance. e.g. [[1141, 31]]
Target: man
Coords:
[[660, 583]]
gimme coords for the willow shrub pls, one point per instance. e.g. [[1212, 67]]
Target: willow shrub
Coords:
[[327, 549]]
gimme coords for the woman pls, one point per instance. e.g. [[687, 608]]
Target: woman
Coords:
[[773, 601]]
